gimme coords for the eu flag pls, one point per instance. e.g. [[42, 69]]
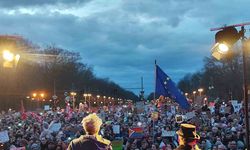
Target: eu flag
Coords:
[[166, 87]]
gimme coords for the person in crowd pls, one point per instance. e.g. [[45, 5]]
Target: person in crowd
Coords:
[[92, 140], [188, 137]]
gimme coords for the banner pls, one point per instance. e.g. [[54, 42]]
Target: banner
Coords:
[[168, 133], [55, 127], [18, 148], [190, 115], [4, 137], [116, 129]]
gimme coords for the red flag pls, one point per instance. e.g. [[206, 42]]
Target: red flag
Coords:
[[23, 114]]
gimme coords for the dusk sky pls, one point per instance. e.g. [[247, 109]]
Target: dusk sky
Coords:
[[121, 39]]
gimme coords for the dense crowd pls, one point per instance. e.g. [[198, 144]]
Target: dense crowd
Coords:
[[218, 129]]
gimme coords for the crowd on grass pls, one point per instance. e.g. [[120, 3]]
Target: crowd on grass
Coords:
[[218, 129]]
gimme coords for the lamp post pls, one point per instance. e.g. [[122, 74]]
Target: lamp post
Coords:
[[194, 92], [73, 94], [89, 95], [98, 96], [85, 95], [228, 36], [200, 90], [104, 99]]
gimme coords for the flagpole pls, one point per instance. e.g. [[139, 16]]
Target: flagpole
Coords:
[[154, 101]]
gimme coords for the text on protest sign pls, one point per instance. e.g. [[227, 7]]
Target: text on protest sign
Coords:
[[4, 137], [190, 115], [55, 127], [168, 133], [116, 129]]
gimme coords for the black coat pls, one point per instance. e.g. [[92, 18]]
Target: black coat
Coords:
[[185, 147], [89, 142]]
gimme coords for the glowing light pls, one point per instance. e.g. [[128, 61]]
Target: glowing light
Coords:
[[8, 56], [223, 48], [34, 94]]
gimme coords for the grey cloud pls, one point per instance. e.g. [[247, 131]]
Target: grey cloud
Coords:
[[122, 46], [30, 3]]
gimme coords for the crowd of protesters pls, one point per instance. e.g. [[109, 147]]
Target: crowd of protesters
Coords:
[[218, 130]]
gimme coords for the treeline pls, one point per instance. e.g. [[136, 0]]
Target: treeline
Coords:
[[47, 70], [220, 79]]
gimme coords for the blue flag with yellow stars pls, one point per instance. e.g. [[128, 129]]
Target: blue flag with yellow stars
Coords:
[[166, 87]]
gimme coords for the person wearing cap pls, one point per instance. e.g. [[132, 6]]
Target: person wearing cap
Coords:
[[187, 137], [92, 140]]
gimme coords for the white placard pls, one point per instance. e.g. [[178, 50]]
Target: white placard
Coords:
[[116, 129], [55, 127], [173, 109], [4, 137], [46, 107], [222, 109], [234, 102], [237, 107], [190, 115], [212, 109], [168, 133]]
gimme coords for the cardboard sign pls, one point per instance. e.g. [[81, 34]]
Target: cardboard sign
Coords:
[[46, 107], [116, 129], [179, 118], [173, 109], [168, 134], [55, 127], [190, 115], [4, 137], [140, 107], [222, 109]]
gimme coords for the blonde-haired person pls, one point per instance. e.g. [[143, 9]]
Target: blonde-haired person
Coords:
[[92, 140]]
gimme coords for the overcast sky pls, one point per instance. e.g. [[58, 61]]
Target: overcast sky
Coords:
[[121, 39]]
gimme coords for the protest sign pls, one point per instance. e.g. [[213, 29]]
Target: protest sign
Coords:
[[55, 127], [168, 134], [4, 137], [18, 148], [173, 109], [46, 107], [116, 129], [179, 118], [140, 107], [190, 115]]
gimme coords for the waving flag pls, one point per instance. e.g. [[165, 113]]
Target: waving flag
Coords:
[[136, 133], [166, 87]]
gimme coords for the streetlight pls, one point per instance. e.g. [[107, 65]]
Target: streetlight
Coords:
[[73, 94], [89, 95], [85, 95], [186, 94], [98, 96], [200, 90], [104, 98], [229, 36], [34, 94], [10, 59], [194, 92]]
